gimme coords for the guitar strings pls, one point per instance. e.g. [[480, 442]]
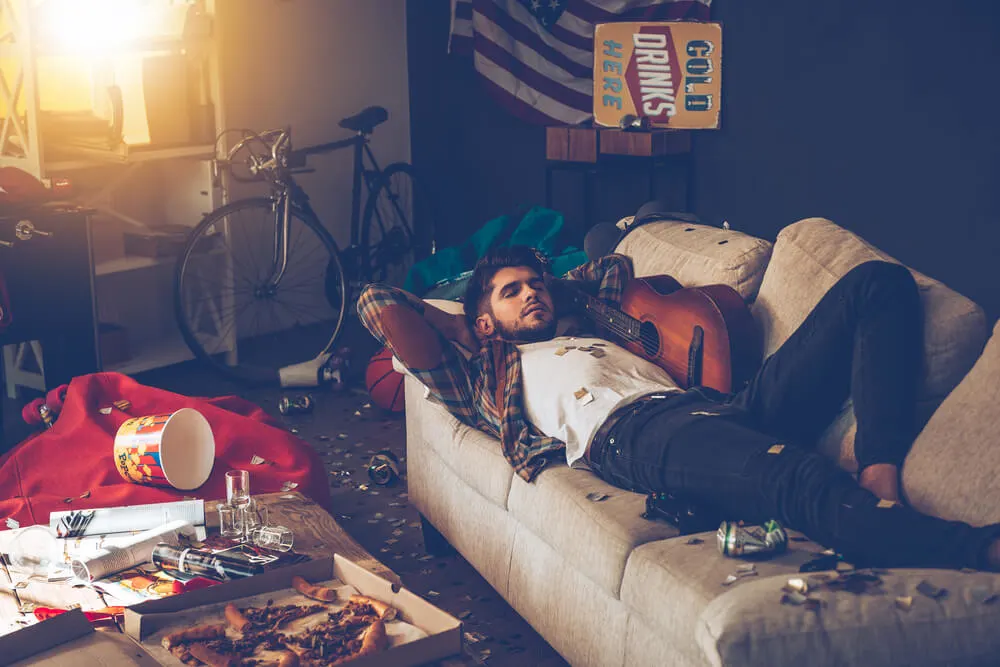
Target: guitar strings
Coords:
[[623, 325]]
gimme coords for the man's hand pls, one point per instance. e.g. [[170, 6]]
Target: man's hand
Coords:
[[459, 331], [563, 292]]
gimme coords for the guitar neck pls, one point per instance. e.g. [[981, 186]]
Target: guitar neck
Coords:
[[614, 320]]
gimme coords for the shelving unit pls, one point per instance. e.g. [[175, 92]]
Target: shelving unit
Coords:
[[144, 180]]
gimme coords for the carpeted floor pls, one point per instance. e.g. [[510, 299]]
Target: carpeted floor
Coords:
[[346, 434]]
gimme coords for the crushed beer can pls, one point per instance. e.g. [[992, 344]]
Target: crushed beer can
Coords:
[[48, 419], [736, 539], [296, 405], [383, 469]]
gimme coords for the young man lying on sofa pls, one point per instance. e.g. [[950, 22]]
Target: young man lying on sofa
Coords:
[[747, 456]]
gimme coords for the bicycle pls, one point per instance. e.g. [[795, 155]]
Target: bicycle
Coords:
[[251, 309]]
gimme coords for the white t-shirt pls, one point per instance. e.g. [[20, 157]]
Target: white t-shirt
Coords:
[[569, 392]]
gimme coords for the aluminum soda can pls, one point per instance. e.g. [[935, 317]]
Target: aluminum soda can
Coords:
[[736, 539], [296, 405], [383, 469]]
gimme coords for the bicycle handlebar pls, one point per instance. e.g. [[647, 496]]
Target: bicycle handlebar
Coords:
[[281, 156]]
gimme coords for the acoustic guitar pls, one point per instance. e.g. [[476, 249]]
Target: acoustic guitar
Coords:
[[699, 335]]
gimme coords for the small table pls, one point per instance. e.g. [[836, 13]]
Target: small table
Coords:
[[316, 535], [591, 150]]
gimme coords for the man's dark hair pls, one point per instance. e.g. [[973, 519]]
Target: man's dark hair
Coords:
[[479, 288]]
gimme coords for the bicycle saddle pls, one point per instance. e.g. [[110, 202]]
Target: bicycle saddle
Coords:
[[366, 120]]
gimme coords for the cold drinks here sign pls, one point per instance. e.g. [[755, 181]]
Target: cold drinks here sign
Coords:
[[668, 72]]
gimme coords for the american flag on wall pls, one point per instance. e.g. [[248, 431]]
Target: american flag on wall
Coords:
[[537, 56]]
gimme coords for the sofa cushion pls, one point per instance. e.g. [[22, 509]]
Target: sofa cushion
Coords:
[[698, 255], [596, 537], [952, 470], [473, 455], [670, 582], [809, 257], [749, 626]]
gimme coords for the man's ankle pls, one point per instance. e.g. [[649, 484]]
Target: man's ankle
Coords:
[[881, 479]]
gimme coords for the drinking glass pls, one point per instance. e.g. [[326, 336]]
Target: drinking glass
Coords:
[[231, 522], [237, 488], [275, 538], [254, 516]]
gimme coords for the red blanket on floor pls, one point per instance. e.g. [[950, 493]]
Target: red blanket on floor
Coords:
[[75, 456]]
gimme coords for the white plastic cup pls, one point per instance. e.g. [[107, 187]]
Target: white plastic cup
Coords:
[[170, 450]]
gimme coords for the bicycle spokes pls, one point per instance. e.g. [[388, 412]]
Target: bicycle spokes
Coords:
[[262, 297]]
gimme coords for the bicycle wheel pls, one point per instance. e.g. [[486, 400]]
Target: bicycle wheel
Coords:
[[227, 313], [397, 226]]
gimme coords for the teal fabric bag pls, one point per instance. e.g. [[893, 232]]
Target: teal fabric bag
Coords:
[[539, 227]]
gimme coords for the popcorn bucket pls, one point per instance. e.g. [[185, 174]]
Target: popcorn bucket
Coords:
[[172, 450]]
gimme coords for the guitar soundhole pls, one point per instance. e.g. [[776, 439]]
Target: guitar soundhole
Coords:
[[649, 337]]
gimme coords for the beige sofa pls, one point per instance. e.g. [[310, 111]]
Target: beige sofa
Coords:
[[606, 587]]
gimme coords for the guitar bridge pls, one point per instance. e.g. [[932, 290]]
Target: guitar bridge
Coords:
[[696, 352]]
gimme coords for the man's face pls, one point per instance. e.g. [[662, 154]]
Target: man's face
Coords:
[[521, 305]]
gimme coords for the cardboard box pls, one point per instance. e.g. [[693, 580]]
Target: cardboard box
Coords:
[[68, 640], [444, 631], [668, 71], [571, 144], [654, 143]]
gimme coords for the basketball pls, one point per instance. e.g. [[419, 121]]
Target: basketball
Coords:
[[385, 384]]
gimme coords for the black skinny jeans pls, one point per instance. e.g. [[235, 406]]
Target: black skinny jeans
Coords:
[[861, 341]]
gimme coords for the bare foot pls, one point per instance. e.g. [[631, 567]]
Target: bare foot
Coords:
[[882, 479], [993, 556]]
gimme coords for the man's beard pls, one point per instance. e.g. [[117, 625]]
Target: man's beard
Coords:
[[517, 334]]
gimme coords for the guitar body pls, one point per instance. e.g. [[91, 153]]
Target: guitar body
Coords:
[[699, 335]]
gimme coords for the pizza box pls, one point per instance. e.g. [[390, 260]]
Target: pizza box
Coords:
[[444, 632], [68, 640]]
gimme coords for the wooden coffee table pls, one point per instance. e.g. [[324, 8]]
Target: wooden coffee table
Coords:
[[316, 535]]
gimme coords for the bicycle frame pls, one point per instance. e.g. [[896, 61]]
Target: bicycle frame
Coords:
[[361, 174]]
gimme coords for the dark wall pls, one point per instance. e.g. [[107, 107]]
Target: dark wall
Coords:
[[878, 115]]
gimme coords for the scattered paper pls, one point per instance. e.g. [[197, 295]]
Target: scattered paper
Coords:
[[794, 598], [904, 602], [13, 523], [928, 589], [257, 460], [105, 411], [288, 486], [797, 585], [984, 595], [775, 449], [886, 504]]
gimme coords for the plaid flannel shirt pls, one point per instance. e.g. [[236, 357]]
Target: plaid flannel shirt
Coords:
[[485, 391]]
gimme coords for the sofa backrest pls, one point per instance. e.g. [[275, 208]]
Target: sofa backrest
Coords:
[[696, 255], [809, 256], [951, 471]]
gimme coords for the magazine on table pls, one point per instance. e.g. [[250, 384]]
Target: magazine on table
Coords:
[[148, 582]]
